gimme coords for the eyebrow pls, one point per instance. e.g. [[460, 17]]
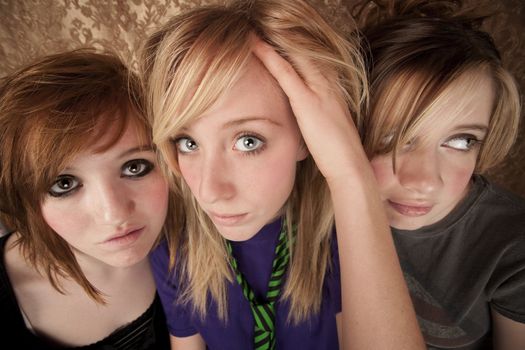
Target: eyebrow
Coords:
[[142, 148], [244, 120], [137, 149], [480, 127]]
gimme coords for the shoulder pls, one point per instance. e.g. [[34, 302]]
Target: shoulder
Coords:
[[6, 287], [11, 320], [6, 241], [20, 271], [504, 197], [167, 278], [500, 209], [500, 221], [160, 255]]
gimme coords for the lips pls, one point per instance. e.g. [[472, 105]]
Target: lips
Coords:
[[226, 219], [409, 209], [126, 237]]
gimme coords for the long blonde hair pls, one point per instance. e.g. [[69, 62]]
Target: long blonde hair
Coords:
[[419, 51], [187, 65]]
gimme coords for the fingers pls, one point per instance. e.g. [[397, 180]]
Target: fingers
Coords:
[[312, 75], [313, 82], [320, 110], [280, 69]]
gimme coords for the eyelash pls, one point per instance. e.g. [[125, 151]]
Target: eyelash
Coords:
[[176, 141], [147, 168], [472, 142], [255, 136], [66, 193]]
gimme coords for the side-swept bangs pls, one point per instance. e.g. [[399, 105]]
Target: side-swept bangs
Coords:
[[59, 107], [414, 63], [50, 112], [193, 67]]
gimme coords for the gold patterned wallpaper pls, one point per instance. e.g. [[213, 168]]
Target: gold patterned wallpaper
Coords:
[[32, 28]]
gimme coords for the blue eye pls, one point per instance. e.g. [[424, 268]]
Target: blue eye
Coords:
[[248, 143], [64, 185], [136, 168], [186, 145], [462, 142]]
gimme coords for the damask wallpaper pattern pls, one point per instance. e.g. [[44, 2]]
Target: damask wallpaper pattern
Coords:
[[32, 28]]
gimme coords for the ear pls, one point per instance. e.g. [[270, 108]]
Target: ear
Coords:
[[302, 152]]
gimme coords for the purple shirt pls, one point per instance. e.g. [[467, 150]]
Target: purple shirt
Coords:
[[254, 258]]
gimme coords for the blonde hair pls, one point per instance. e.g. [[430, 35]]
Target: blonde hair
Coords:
[[187, 65], [419, 51], [50, 111]]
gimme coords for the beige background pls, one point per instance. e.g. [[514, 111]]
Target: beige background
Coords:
[[29, 29]]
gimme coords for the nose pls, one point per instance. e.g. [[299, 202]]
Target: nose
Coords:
[[216, 179], [113, 203], [418, 171]]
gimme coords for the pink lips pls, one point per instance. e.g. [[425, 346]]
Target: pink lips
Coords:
[[226, 220], [128, 237], [410, 209]]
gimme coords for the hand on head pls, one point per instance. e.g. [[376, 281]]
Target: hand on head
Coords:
[[322, 114]]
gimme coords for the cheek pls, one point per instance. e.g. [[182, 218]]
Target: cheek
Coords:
[[158, 193], [459, 177], [61, 218], [189, 173], [273, 179]]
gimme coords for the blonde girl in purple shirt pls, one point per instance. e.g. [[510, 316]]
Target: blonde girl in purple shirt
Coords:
[[255, 110]]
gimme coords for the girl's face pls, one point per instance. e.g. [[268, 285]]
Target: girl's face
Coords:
[[109, 207], [434, 170], [239, 158]]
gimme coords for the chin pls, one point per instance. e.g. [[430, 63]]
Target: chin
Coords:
[[127, 260], [405, 224], [237, 234]]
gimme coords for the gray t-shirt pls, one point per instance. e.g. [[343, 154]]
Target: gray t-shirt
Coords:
[[461, 266]]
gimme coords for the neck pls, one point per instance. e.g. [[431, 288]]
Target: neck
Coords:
[[105, 277]]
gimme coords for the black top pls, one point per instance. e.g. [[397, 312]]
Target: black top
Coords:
[[465, 264], [148, 332]]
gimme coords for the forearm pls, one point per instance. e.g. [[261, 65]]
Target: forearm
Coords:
[[373, 288], [377, 310]]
